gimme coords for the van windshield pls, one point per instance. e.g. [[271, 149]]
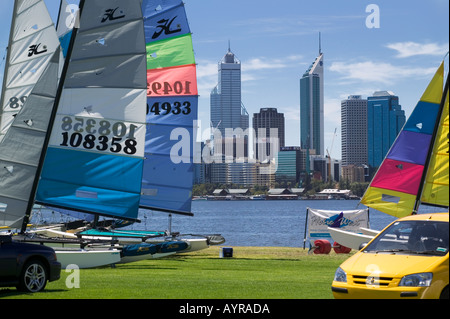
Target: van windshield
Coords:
[[413, 237]]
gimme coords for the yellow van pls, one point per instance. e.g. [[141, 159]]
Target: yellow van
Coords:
[[408, 259]]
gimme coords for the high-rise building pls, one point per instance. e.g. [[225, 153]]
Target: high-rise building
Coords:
[[354, 131], [385, 119], [271, 124], [290, 164], [311, 107], [228, 114]]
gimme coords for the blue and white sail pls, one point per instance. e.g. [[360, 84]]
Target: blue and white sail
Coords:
[[172, 99], [94, 160], [32, 43]]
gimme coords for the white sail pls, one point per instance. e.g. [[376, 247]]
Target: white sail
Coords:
[[33, 41], [22, 145]]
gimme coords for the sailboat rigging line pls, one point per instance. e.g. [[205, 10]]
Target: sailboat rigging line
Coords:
[[431, 147], [50, 126]]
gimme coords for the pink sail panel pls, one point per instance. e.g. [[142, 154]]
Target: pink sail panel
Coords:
[[398, 176], [172, 81]]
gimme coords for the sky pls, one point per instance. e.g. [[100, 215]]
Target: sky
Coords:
[[368, 46]]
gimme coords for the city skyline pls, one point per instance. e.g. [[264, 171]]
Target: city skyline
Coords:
[[276, 44]]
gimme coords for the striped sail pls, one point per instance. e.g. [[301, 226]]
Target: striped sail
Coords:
[[21, 148], [32, 43], [396, 185], [95, 156], [172, 102]]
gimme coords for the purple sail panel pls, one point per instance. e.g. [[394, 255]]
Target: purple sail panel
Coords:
[[410, 147]]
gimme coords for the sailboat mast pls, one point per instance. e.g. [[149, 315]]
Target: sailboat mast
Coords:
[[59, 14], [431, 147], [8, 54], [49, 130]]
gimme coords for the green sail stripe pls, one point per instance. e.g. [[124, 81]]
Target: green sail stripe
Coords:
[[170, 52]]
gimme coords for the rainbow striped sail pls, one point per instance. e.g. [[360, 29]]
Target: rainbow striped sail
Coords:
[[172, 100], [399, 184]]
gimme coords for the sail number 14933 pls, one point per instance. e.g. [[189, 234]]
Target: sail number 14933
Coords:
[[99, 135]]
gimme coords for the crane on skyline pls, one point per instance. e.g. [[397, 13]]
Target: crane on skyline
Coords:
[[329, 155]]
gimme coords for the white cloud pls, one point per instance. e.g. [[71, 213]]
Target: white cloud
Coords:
[[206, 69], [379, 72], [409, 49], [262, 64]]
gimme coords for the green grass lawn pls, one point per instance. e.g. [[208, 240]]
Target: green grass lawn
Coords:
[[252, 273]]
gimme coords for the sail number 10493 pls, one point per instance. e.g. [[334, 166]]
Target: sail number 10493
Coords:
[[166, 88]]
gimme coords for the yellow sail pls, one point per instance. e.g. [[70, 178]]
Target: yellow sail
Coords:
[[436, 189], [396, 185]]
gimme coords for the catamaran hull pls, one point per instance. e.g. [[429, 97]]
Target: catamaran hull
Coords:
[[83, 259], [349, 239], [131, 259]]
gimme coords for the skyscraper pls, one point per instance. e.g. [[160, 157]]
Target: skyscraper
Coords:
[[354, 130], [264, 121], [385, 119], [311, 107], [227, 110]]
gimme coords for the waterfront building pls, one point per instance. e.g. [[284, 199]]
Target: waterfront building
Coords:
[[385, 119], [355, 173], [267, 124], [354, 131], [289, 166]]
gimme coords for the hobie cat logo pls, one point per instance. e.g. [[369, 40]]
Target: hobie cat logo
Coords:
[[34, 50], [113, 14], [165, 25]]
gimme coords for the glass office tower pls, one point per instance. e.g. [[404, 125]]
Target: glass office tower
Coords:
[[385, 119], [311, 107], [227, 110]]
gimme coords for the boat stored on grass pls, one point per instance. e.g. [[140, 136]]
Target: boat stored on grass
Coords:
[[409, 258]]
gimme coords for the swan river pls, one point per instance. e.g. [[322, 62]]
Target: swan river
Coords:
[[276, 223]]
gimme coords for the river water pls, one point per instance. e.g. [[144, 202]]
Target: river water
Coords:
[[252, 222]]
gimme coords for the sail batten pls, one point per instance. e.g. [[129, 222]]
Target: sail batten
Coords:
[[397, 187]]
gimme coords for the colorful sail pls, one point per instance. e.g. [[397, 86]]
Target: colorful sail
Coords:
[[95, 156], [32, 43], [395, 187], [21, 148], [172, 101], [436, 190]]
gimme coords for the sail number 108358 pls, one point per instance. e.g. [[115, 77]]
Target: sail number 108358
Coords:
[[100, 135]]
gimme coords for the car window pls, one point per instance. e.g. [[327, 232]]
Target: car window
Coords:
[[413, 237]]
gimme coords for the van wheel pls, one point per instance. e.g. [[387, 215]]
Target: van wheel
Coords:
[[444, 293], [34, 277]]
